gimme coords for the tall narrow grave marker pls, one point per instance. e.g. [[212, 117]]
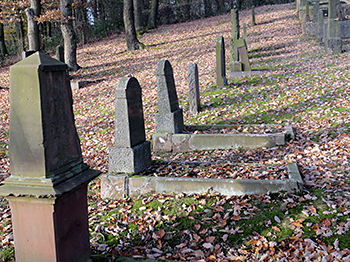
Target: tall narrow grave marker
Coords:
[[253, 16], [221, 79], [193, 86], [47, 189], [169, 119], [131, 152]]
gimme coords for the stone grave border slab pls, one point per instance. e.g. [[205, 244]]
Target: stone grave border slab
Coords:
[[123, 185], [190, 142], [246, 73]]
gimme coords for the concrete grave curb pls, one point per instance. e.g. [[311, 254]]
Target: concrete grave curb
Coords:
[[116, 186], [190, 142]]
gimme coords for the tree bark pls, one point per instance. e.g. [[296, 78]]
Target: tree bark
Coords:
[[138, 15], [69, 36], [20, 36], [131, 39], [33, 30], [152, 21], [3, 49]]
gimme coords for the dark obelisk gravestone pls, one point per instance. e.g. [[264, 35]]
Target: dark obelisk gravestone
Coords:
[[47, 189], [131, 152], [221, 79], [169, 119], [193, 88]]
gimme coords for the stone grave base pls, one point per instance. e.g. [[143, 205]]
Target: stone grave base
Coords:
[[333, 45], [310, 29], [170, 122], [130, 160], [191, 142], [116, 186], [245, 73]]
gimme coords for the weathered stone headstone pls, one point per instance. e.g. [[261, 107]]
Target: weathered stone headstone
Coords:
[[131, 152], [235, 23], [221, 79], [316, 11], [242, 49], [60, 53], [25, 54], [332, 9], [253, 16], [47, 189], [320, 26], [245, 32], [333, 43], [193, 86], [234, 56], [307, 11], [169, 119]]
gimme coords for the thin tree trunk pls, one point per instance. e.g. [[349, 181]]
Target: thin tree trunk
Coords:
[[69, 36], [131, 39], [33, 30], [138, 15], [152, 21], [20, 36], [3, 49]]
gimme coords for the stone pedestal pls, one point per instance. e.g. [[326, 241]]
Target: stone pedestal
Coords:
[[333, 45], [130, 160], [170, 122], [51, 229]]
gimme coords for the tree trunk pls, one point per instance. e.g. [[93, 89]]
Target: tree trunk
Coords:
[[20, 36], [152, 21], [81, 18], [138, 15], [33, 30], [131, 39], [3, 49], [70, 39]]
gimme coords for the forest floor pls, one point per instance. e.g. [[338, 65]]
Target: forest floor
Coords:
[[302, 86]]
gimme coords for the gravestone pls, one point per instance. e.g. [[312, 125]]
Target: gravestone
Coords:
[[169, 119], [320, 31], [245, 32], [47, 189], [307, 11], [131, 152], [234, 56], [60, 53], [221, 79], [333, 43], [316, 11], [235, 23], [253, 16], [242, 49], [193, 86]]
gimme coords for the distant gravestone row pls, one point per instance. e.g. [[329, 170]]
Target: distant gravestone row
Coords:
[[329, 32], [239, 60]]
